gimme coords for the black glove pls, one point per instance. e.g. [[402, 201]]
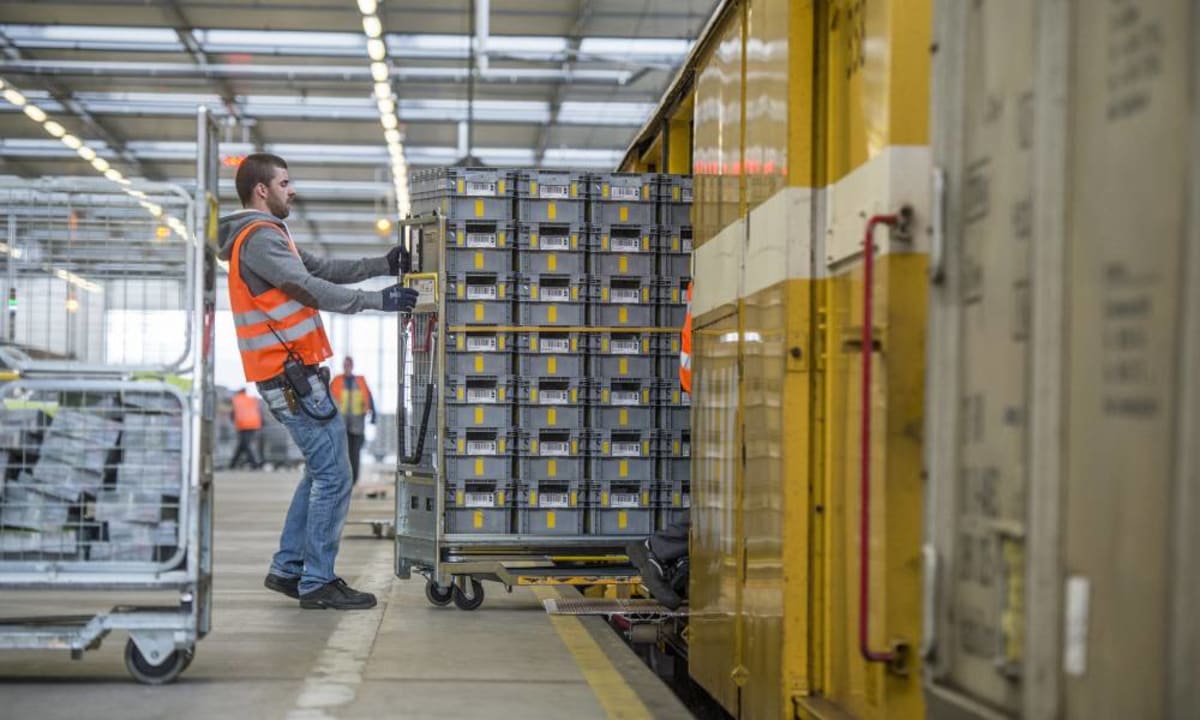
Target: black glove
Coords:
[[399, 260], [398, 298]]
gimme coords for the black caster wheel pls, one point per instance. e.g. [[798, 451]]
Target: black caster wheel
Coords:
[[437, 595], [468, 596], [148, 674]]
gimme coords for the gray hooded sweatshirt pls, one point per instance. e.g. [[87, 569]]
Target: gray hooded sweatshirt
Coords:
[[267, 262]]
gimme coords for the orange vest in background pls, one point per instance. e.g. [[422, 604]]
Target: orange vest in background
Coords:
[[685, 347], [254, 318], [246, 415], [352, 402]]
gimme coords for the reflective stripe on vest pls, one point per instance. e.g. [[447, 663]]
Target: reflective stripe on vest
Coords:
[[258, 319], [685, 347]]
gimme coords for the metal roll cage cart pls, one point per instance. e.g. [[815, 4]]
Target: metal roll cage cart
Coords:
[[455, 565], [106, 415]]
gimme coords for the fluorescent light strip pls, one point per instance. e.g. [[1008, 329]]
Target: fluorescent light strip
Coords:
[[377, 52]]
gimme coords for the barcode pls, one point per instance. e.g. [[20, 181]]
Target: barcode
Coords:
[[626, 244], [481, 240], [625, 397], [481, 500], [481, 395], [626, 449], [556, 242], [687, 245], [625, 193], [481, 292], [477, 188], [554, 345], [623, 500], [555, 448], [626, 295], [485, 343], [556, 294], [553, 500], [554, 191], [686, 194], [624, 347], [553, 397], [687, 449], [481, 447], [687, 500]]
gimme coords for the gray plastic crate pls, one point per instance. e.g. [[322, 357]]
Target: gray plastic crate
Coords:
[[551, 390], [479, 442], [621, 302], [483, 508], [621, 418], [464, 193], [622, 199], [675, 469], [476, 260], [543, 314], [535, 262], [479, 353], [620, 521], [551, 342], [481, 235], [675, 417], [674, 265], [670, 315], [672, 443], [550, 210], [551, 196], [465, 416], [567, 366], [548, 443], [673, 239], [568, 470], [537, 417], [493, 468], [479, 389], [624, 251], [482, 341], [551, 521], [623, 366], [673, 188], [668, 392], [616, 469], [621, 392], [479, 299]]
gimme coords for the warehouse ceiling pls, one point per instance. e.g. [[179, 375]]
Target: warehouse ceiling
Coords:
[[557, 83]]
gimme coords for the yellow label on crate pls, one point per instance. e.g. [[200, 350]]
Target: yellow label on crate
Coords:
[[478, 312], [645, 498], [674, 243], [461, 394], [478, 467], [552, 314], [574, 398], [551, 366], [462, 238], [478, 260], [503, 289], [646, 294], [461, 446], [622, 366], [552, 468], [623, 468], [622, 519], [604, 396], [574, 292], [574, 447], [460, 342], [551, 210], [479, 416], [550, 520], [675, 448], [604, 242], [604, 499], [574, 189], [675, 194], [676, 500], [533, 241], [533, 447], [502, 393], [500, 342], [458, 498], [551, 262], [622, 315], [478, 363], [622, 417], [603, 190], [604, 344], [645, 396], [645, 448], [532, 188], [500, 498], [604, 294], [574, 241], [500, 239], [500, 187], [574, 498], [502, 443], [622, 264], [478, 519], [574, 343], [533, 498], [462, 292], [624, 213], [551, 416], [645, 243], [462, 187], [533, 292], [532, 394], [478, 208], [603, 447]]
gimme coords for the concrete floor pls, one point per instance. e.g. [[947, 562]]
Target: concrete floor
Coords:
[[267, 658]]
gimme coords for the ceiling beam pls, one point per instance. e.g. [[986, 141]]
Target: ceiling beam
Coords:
[[94, 127], [583, 11]]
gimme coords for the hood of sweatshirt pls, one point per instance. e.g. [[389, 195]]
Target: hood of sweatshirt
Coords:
[[229, 226]]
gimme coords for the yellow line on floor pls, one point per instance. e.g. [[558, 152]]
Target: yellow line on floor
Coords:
[[615, 696]]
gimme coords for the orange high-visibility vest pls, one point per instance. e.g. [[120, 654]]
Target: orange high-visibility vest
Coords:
[[685, 347], [354, 401], [246, 415], [254, 318]]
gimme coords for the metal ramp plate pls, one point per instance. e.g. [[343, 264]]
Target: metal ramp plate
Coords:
[[577, 575], [635, 609]]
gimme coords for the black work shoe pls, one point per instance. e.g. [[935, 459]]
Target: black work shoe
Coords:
[[652, 573], [280, 584], [337, 595]]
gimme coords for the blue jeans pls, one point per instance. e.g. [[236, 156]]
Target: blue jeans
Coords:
[[312, 532]]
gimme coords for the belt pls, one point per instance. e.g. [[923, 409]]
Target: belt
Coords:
[[280, 380]]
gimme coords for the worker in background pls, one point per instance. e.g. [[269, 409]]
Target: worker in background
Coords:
[[276, 292], [247, 419], [662, 558], [353, 399]]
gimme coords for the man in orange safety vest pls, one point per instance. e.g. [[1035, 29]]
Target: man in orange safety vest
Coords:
[[247, 419]]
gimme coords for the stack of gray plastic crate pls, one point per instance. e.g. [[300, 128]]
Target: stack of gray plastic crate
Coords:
[[621, 358], [479, 384]]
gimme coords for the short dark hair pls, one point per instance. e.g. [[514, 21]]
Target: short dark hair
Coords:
[[256, 168]]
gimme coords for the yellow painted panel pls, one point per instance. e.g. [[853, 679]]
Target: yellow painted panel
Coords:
[[479, 312], [623, 213], [717, 150], [552, 314], [551, 365], [478, 519], [623, 366], [622, 263], [479, 416], [550, 519], [478, 208], [551, 210], [767, 98], [479, 467], [551, 416], [478, 363], [458, 498], [552, 468], [623, 468], [478, 260], [552, 262], [622, 519], [622, 315], [623, 417]]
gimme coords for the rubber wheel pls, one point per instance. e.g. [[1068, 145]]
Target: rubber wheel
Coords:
[[144, 672], [438, 595], [471, 601]]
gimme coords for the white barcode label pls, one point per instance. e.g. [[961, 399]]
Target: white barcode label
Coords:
[[625, 193], [553, 500], [625, 295], [626, 244], [625, 397], [554, 448], [481, 447], [554, 192], [627, 449], [425, 290], [481, 500], [687, 244], [623, 500], [624, 347], [481, 292], [553, 397], [481, 240], [556, 242], [687, 500], [686, 449], [481, 395], [484, 343], [554, 345], [556, 294], [477, 188], [685, 194]]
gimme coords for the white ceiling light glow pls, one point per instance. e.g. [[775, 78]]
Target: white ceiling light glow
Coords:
[[380, 73]]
